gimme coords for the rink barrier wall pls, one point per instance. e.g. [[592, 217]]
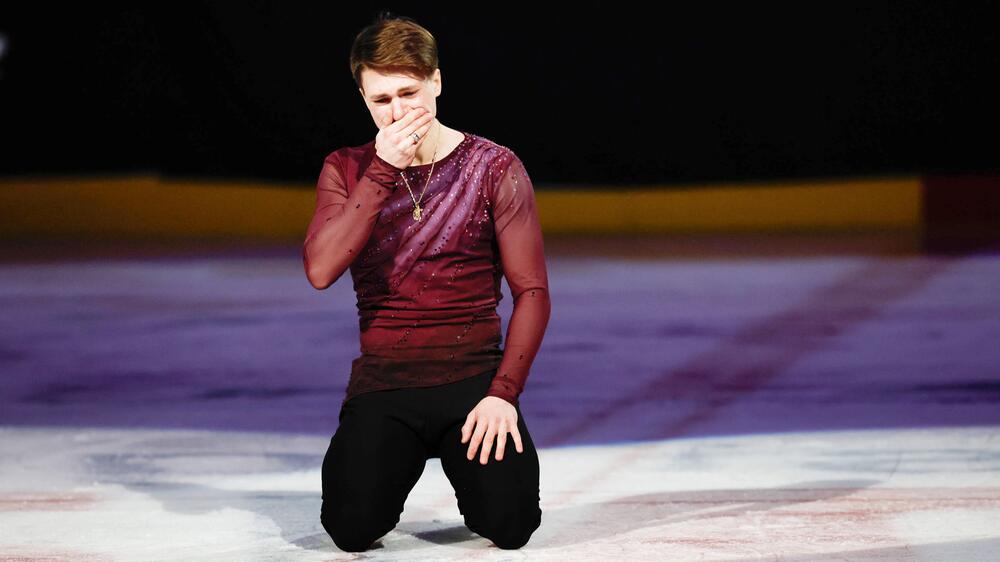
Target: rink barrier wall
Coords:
[[151, 207]]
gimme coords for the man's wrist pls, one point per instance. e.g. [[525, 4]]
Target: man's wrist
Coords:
[[512, 400], [382, 173], [385, 163]]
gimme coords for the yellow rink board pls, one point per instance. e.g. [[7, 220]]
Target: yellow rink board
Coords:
[[152, 207]]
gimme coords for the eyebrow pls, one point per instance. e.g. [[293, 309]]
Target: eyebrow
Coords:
[[380, 95]]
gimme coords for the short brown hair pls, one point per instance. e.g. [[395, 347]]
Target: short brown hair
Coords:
[[394, 44]]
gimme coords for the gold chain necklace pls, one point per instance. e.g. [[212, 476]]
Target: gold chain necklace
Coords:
[[416, 202]]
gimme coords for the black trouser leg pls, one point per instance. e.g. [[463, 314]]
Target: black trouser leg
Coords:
[[499, 500], [372, 463]]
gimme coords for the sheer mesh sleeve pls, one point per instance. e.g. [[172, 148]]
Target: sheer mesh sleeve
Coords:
[[519, 236], [342, 222]]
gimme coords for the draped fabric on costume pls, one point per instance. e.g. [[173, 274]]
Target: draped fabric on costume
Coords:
[[427, 290]]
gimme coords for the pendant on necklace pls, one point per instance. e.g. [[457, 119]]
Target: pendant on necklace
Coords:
[[416, 212]]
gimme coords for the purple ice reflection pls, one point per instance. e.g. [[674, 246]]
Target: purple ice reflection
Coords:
[[636, 349]]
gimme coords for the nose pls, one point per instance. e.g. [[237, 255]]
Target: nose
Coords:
[[398, 110]]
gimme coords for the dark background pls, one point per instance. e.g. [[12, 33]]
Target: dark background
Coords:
[[588, 94]]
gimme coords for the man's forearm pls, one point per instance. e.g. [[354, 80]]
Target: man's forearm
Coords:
[[527, 327], [329, 251]]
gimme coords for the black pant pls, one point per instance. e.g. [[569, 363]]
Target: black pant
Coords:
[[379, 450]]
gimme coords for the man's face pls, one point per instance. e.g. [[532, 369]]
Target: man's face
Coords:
[[390, 96]]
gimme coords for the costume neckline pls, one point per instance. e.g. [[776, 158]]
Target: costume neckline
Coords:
[[466, 137]]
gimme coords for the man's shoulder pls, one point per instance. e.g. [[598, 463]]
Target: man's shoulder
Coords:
[[352, 152], [493, 151]]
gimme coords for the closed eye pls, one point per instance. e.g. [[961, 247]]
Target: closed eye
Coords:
[[408, 94]]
